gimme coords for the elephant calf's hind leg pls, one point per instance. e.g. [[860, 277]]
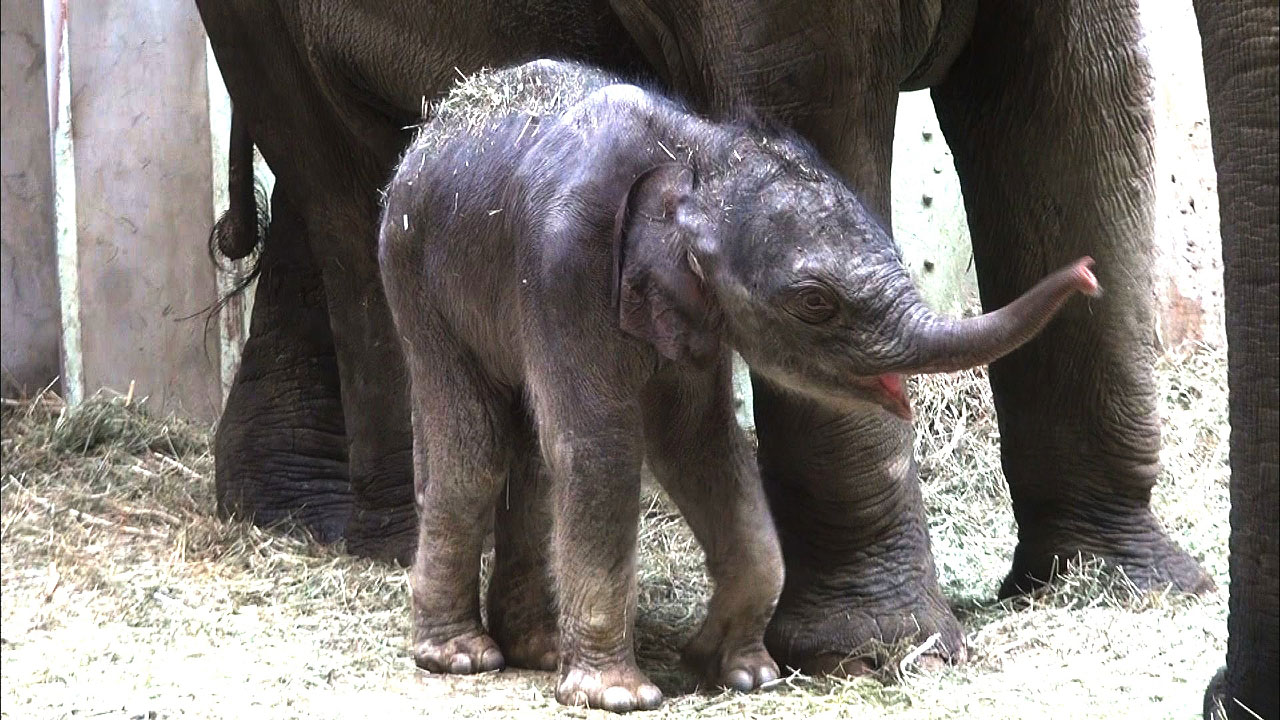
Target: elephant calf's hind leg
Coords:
[[521, 605], [462, 428]]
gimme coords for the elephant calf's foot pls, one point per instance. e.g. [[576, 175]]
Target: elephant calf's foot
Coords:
[[1139, 546], [464, 654], [536, 649], [619, 687], [522, 614], [742, 666]]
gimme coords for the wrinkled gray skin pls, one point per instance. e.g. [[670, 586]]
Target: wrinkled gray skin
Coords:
[[1241, 40], [559, 275], [1046, 107]]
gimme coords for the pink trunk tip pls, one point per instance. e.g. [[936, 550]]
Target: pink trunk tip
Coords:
[[1087, 281]]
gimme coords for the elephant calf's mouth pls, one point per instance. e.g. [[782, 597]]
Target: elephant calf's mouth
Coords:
[[889, 392]]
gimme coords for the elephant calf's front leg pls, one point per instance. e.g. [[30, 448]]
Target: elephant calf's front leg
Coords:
[[594, 456], [701, 457]]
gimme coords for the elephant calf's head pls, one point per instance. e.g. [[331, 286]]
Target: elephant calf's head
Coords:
[[769, 249]]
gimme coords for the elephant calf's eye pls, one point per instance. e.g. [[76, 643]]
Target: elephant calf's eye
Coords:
[[812, 302]]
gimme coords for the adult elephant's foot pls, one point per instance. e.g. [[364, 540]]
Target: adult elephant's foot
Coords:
[[383, 533], [1132, 541], [616, 687], [275, 467], [280, 448], [858, 618], [860, 584], [458, 653]]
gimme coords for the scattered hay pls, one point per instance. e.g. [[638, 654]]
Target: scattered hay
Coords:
[[123, 594], [970, 515]]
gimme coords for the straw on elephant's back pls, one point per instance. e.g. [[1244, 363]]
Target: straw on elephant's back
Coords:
[[484, 97]]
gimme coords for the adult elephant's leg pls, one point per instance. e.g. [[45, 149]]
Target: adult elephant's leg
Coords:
[[846, 500], [843, 487], [272, 76], [1241, 55], [280, 448], [374, 380], [1048, 115]]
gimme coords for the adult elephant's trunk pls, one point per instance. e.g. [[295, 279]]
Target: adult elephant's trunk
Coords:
[[947, 345]]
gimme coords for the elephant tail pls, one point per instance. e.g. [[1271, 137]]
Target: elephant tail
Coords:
[[242, 228], [241, 232]]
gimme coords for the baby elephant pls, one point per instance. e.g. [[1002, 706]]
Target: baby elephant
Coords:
[[569, 261]]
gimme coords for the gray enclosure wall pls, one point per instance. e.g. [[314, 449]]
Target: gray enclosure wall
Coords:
[[143, 184]]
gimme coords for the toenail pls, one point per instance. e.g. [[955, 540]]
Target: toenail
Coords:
[[649, 696], [617, 699], [460, 664], [550, 659], [491, 659], [739, 680]]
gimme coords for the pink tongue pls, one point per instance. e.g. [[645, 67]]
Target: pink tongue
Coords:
[[892, 386], [891, 383]]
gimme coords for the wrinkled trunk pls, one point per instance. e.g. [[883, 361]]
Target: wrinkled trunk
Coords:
[[944, 345]]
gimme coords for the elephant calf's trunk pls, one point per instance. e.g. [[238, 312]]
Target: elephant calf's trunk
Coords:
[[953, 345]]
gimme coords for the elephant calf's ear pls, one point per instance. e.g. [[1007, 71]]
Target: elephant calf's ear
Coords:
[[659, 290]]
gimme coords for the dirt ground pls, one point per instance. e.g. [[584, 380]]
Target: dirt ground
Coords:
[[124, 597]]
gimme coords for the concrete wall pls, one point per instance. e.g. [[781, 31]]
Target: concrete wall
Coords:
[[929, 221], [29, 324], [1188, 265]]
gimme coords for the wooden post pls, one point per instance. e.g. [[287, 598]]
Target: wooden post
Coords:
[[142, 177]]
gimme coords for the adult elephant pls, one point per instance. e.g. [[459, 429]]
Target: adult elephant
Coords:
[[1241, 41], [1046, 107]]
